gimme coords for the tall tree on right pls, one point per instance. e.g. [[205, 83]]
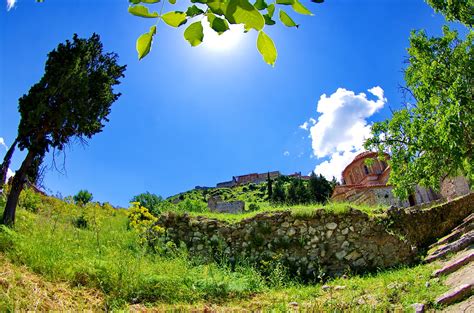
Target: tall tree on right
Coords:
[[433, 136]]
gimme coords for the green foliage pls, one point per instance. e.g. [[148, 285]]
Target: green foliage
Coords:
[[30, 201], [150, 201], [71, 100], [433, 137], [85, 75], [219, 14], [83, 197], [455, 10]]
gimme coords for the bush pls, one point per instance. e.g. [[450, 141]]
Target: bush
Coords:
[[30, 200], [254, 207], [150, 201], [83, 197]]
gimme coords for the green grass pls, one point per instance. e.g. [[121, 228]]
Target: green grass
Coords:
[[301, 210], [109, 257]]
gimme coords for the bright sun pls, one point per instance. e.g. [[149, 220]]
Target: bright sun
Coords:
[[224, 42]]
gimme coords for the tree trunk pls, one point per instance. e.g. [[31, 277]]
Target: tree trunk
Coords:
[[6, 163], [17, 187]]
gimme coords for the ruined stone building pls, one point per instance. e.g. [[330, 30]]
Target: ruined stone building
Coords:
[[363, 183]]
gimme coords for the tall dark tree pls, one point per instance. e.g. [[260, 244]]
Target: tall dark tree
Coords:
[[320, 188], [269, 186], [278, 194], [72, 100]]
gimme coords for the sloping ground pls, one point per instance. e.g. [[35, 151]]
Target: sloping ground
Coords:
[[456, 250], [21, 290]]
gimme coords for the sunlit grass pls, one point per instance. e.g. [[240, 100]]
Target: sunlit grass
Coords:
[[300, 210]]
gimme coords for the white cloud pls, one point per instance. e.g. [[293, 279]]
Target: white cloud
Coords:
[[341, 129], [304, 126], [2, 143], [10, 4], [286, 153]]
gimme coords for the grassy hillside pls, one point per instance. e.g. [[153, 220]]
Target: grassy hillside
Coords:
[[91, 251]]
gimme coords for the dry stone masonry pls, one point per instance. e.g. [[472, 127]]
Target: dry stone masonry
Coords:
[[325, 243]]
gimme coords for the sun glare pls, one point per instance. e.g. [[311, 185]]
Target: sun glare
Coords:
[[224, 42]]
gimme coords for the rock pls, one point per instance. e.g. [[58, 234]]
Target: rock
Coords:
[[331, 226], [285, 224], [345, 231], [354, 255], [341, 254], [418, 307], [329, 234], [326, 287], [339, 287], [199, 247], [427, 284], [293, 304], [291, 231], [345, 245], [456, 294]]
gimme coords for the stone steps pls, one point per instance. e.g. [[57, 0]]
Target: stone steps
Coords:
[[454, 265], [466, 226], [458, 270], [463, 242], [456, 294]]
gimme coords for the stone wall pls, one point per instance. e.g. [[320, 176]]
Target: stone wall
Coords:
[[215, 204], [421, 226], [324, 243]]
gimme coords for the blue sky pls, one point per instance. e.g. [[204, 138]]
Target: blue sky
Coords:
[[198, 116]]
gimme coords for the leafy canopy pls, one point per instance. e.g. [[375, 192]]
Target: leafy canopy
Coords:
[[219, 14], [150, 201], [433, 136], [83, 197], [72, 99]]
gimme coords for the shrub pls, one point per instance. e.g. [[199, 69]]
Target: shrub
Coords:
[[30, 200], [254, 207], [150, 201], [83, 197]]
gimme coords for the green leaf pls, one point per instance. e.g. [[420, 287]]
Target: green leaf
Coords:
[[318, 1], [271, 10], [174, 19], [217, 24], [194, 34], [285, 2], [287, 20], [267, 48], [268, 20], [172, 1], [218, 7], [193, 11], [242, 12], [142, 11], [260, 5], [144, 43], [298, 7], [198, 1]]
